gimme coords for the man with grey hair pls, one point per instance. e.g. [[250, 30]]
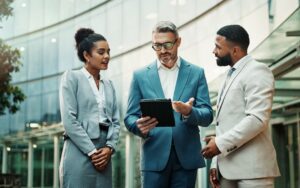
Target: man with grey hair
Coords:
[[169, 155]]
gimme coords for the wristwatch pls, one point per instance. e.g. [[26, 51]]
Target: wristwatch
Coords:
[[111, 148]]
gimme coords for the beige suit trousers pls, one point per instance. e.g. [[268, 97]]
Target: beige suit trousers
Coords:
[[249, 183]]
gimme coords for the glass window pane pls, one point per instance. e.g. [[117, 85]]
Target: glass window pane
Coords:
[[95, 2], [23, 48], [98, 21], [36, 14], [67, 9], [114, 28], [17, 120], [167, 11], [7, 29], [67, 57], [51, 11], [50, 108], [50, 53], [148, 19], [21, 16], [34, 88], [35, 57], [34, 108], [130, 24], [204, 5], [5, 126], [82, 5], [186, 10]]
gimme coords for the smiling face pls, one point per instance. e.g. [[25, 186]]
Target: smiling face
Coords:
[[99, 56], [167, 44]]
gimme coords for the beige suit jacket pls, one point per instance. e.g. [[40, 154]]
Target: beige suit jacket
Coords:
[[242, 131]]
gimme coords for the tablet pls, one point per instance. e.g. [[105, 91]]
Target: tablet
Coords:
[[161, 109]]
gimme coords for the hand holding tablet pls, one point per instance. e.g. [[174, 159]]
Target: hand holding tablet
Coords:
[[161, 109]]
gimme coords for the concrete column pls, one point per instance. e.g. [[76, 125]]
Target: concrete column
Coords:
[[201, 175], [4, 159], [298, 138], [130, 165], [291, 157], [43, 168], [56, 162], [30, 165]]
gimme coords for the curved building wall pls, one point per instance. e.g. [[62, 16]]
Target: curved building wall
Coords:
[[44, 31]]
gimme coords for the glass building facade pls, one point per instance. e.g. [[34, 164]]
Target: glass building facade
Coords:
[[43, 30]]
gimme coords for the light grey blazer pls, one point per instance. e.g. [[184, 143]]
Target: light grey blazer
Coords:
[[80, 117], [242, 131]]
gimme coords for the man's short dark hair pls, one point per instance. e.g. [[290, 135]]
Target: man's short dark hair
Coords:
[[236, 34]]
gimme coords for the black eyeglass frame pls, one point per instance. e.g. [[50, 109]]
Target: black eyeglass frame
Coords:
[[158, 46]]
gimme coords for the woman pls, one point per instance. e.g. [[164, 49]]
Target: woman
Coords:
[[89, 115]]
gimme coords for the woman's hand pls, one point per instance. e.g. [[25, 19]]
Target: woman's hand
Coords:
[[101, 158]]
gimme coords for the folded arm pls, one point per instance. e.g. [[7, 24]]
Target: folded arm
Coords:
[[258, 105]]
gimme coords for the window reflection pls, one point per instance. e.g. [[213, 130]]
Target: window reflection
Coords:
[[50, 54], [35, 58]]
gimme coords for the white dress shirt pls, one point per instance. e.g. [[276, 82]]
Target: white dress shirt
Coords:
[[168, 78], [100, 98]]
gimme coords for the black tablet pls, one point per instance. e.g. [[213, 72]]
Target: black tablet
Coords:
[[161, 109]]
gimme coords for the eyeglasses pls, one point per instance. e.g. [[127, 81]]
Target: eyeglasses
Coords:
[[166, 45]]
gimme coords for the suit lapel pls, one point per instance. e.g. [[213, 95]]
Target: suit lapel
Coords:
[[154, 80], [87, 86], [221, 100], [182, 78], [107, 92]]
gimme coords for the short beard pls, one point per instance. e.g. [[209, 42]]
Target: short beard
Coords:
[[224, 61], [170, 62]]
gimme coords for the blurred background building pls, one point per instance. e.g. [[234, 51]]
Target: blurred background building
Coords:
[[43, 31]]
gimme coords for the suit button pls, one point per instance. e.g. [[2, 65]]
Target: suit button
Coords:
[[217, 124]]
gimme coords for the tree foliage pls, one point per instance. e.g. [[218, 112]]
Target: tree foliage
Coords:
[[10, 96], [5, 9]]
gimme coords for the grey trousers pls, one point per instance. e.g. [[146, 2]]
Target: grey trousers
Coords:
[[249, 183], [77, 169]]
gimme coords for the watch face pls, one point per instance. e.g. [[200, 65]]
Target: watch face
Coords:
[[111, 149]]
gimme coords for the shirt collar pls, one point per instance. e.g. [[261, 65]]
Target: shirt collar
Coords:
[[88, 75], [160, 65], [241, 61]]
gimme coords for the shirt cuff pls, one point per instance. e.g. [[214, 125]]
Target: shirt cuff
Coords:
[[92, 152]]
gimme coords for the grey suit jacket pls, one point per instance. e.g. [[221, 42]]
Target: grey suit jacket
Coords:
[[242, 130], [79, 111]]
